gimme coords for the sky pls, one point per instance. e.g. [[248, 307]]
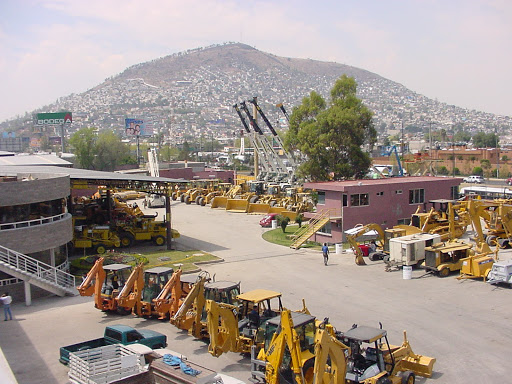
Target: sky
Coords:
[[455, 51]]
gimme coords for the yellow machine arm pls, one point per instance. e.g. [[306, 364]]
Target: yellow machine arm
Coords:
[[86, 288], [132, 290], [361, 231], [287, 338], [222, 328], [185, 317], [476, 210], [168, 300], [328, 348]]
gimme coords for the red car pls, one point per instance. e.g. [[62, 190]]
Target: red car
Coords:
[[267, 220]]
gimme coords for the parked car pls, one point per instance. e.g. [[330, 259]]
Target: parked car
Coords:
[[474, 179], [267, 220]]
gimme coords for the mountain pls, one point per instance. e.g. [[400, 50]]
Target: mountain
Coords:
[[191, 93]]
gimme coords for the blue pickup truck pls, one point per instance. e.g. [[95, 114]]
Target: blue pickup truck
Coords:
[[117, 334]]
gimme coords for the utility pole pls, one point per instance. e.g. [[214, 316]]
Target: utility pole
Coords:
[[256, 160], [453, 150], [497, 155]]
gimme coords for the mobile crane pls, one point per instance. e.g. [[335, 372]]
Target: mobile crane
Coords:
[[292, 166]]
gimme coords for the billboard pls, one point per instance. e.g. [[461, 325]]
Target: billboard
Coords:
[[138, 127], [58, 118]]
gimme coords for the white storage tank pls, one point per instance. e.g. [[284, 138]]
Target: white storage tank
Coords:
[[410, 249]]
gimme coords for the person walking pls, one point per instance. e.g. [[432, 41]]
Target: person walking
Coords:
[[325, 251], [7, 300]]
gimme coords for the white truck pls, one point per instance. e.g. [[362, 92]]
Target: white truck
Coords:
[[410, 250]]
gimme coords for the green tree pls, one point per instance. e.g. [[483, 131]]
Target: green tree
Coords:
[[331, 136], [83, 143], [477, 171], [282, 221], [443, 170], [485, 140], [486, 166], [184, 153], [110, 152]]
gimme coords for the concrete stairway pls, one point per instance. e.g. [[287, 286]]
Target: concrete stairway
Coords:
[[34, 272], [314, 225]]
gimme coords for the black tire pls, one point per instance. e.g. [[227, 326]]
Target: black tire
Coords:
[[187, 200], [182, 198], [202, 201], [491, 240], [100, 249], [504, 243], [253, 199], [159, 240], [408, 377], [123, 311], [173, 196], [126, 239], [444, 272], [158, 346], [197, 199]]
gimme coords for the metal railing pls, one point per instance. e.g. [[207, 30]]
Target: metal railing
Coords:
[[37, 268], [31, 223]]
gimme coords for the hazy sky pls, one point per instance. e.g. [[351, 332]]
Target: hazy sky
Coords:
[[458, 51]]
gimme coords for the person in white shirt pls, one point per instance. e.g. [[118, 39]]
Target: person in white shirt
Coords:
[[7, 300]]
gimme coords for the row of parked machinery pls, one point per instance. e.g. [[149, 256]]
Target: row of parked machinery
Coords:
[[105, 221], [248, 196], [433, 240], [286, 345]]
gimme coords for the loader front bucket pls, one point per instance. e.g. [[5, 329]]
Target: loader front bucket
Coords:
[[219, 202], [258, 208], [237, 205], [420, 365], [276, 209]]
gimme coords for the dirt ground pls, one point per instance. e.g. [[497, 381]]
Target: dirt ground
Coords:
[[465, 324]]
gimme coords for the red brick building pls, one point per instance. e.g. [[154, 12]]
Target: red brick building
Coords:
[[383, 201]]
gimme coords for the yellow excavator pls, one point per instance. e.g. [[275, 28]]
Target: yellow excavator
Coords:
[[237, 328], [372, 360], [142, 287], [299, 351], [382, 240], [105, 282], [169, 299], [191, 315]]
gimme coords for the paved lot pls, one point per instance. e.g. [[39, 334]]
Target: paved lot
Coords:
[[466, 325]]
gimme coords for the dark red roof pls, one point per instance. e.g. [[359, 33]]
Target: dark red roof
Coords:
[[341, 185]]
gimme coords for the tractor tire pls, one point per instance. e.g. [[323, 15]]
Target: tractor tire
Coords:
[[126, 239], [374, 256], [408, 377], [202, 201], [123, 311], [186, 200], [100, 249], [197, 199], [159, 240], [444, 272], [174, 196], [491, 240], [182, 198], [253, 199], [504, 243]]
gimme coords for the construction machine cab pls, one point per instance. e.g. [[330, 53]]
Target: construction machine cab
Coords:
[[115, 279], [303, 323], [367, 347], [267, 304], [154, 281]]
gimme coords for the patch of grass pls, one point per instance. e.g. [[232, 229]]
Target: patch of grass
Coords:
[[162, 258], [276, 236]]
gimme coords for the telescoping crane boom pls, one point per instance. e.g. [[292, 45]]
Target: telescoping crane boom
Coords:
[[255, 144], [275, 162], [289, 158]]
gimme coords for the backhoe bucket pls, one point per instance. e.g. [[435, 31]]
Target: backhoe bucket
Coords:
[[258, 208], [219, 202], [237, 205], [360, 260]]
